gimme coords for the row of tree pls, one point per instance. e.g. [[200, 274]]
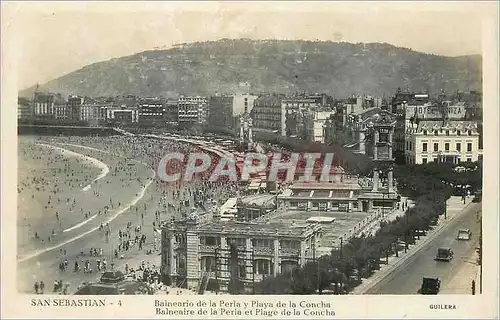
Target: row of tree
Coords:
[[342, 270], [351, 162]]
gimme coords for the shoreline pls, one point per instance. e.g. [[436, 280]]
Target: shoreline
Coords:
[[136, 199], [98, 164]]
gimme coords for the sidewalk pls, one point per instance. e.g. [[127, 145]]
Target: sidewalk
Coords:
[[461, 281], [373, 226], [454, 206]]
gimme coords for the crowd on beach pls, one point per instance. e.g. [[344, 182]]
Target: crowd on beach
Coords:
[[161, 202]]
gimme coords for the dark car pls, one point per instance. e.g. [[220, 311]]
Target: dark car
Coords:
[[444, 254], [430, 286], [478, 196]]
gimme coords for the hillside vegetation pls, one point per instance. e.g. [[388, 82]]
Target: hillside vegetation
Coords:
[[339, 69]]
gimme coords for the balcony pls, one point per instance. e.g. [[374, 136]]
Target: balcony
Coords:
[[263, 251], [289, 252], [208, 248]]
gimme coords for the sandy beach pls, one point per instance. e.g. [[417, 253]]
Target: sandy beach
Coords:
[[125, 198]]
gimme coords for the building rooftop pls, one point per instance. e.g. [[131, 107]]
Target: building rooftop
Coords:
[[438, 124], [368, 112], [259, 200], [269, 100], [235, 228], [350, 184], [344, 221]]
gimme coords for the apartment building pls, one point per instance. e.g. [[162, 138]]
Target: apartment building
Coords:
[[74, 108], [43, 107], [151, 112], [24, 109], [296, 111], [267, 113], [172, 111], [192, 110], [221, 111], [243, 104], [316, 123], [94, 111], [48, 106], [123, 115]]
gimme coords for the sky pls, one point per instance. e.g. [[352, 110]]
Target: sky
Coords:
[[49, 39]]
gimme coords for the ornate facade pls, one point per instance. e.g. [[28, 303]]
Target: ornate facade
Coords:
[[195, 253]]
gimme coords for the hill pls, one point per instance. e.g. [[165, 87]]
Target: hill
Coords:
[[280, 66]]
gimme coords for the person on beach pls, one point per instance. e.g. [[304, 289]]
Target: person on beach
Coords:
[[42, 287]]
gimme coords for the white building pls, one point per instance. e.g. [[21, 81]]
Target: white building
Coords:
[[243, 104], [433, 140], [122, 115], [44, 105], [315, 124], [298, 105], [192, 109], [94, 113]]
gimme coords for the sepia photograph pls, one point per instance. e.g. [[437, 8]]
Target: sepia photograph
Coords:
[[217, 156]]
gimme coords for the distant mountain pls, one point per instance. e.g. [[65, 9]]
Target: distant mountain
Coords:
[[339, 69]]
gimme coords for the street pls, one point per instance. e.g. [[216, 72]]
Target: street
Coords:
[[407, 278]]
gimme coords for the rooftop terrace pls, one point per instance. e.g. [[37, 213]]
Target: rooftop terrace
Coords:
[[344, 221], [274, 229]]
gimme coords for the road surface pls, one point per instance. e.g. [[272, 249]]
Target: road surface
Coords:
[[407, 278]]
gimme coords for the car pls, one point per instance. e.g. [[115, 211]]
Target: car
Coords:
[[478, 196], [430, 285], [444, 254], [464, 234]]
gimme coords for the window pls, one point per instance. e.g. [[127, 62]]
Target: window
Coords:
[[262, 267], [458, 132], [384, 137], [435, 132], [447, 132], [424, 148], [469, 160], [436, 147], [469, 133], [447, 147], [435, 160], [424, 160], [469, 147], [242, 271], [459, 147], [425, 132]]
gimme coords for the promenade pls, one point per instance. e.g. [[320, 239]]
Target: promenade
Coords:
[[455, 207]]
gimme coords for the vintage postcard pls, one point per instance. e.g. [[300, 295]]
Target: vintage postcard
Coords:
[[253, 160]]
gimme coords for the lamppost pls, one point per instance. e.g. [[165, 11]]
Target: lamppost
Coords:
[[481, 254], [445, 208], [406, 233]]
